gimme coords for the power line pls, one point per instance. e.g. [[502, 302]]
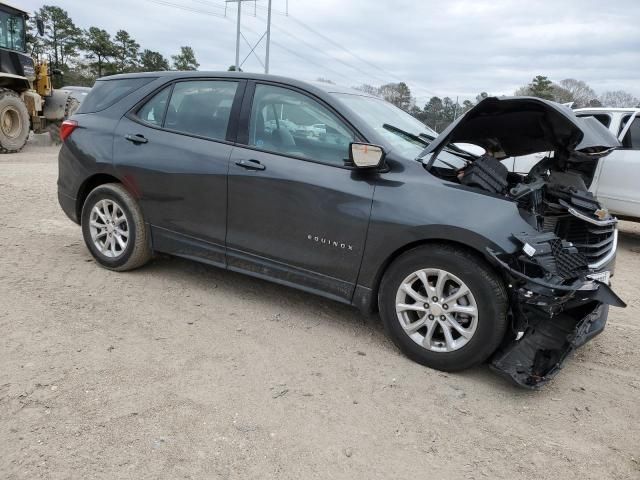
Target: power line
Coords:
[[292, 52], [216, 5], [302, 57], [346, 50], [185, 8], [304, 42], [315, 32], [416, 86], [298, 39], [210, 4]]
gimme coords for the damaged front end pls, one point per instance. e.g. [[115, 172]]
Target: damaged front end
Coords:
[[559, 271], [558, 301]]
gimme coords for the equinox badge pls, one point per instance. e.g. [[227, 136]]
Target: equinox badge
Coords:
[[330, 243]]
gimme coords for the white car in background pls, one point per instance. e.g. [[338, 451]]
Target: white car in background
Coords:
[[616, 182]]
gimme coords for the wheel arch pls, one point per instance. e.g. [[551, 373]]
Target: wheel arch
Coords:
[[475, 248], [88, 185]]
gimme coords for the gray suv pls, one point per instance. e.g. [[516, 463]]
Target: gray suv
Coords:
[[339, 193]]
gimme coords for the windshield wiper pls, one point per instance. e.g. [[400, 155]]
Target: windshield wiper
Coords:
[[426, 140], [404, 133], [427, 136], [460, 152]]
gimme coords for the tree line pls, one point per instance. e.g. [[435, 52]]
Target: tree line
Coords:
[[576, 92], [84, 55], [440, 112]]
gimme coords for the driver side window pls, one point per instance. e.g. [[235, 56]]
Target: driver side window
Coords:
[[289, 123]]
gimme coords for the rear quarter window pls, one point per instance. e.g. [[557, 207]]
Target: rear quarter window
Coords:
[[107, 92]]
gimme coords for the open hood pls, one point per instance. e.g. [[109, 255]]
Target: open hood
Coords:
[[516, 126]]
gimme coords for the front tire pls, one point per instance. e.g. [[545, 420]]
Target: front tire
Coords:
[[443, 307], [113, 228]]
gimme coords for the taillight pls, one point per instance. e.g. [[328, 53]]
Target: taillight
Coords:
[[67, 127]]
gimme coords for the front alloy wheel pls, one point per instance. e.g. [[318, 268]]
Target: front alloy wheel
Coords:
[[437, 310], [443, 306]]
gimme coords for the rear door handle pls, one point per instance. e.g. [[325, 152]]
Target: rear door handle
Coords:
[[136, 138], [251, 164]]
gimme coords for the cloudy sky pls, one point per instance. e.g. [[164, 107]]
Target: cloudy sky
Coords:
[[454, 47]]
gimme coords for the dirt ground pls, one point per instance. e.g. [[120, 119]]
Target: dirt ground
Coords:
[[180, 370]]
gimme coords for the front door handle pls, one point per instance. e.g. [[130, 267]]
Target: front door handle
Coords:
[[136, 138], [251, 164]]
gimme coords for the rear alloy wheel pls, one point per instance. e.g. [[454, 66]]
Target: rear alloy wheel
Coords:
[[113, 228], [14, 122], [443, 306], [109, 228]]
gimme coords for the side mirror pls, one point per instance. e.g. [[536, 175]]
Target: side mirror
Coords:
[[364, 155], [40, 26]]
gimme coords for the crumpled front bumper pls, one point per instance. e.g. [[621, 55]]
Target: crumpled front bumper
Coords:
[[539, 355], [549, 322]]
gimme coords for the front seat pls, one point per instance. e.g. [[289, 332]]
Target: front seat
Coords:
[[281, 137]]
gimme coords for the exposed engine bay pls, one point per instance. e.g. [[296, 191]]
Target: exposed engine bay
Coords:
[[561, 296], [559, 274]]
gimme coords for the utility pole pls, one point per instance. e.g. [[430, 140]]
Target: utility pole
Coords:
[[239, 35], [266, 56]]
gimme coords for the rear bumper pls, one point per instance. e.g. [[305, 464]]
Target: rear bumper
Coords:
[[68, 205]]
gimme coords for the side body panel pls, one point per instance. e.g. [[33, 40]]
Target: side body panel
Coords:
[[87, 152], [180, 182], [411, 206], [298, 221]]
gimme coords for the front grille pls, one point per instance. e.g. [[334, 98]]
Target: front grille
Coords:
[[568, 263], [593, 241]]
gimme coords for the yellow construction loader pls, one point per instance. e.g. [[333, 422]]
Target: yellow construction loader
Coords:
[[28, 100]]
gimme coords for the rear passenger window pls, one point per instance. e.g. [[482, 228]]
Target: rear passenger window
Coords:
[[153, 111], [201, 108]]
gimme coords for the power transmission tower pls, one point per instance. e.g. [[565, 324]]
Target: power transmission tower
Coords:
[[239, 35]]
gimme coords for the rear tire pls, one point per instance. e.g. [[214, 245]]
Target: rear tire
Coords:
[[113, 228], [416, 317], [14, 122]]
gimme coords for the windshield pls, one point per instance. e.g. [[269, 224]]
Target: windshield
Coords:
[[378, 113], [12, 34], [405, 134]]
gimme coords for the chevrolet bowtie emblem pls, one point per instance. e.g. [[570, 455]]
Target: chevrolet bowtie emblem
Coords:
[[601, 213]]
